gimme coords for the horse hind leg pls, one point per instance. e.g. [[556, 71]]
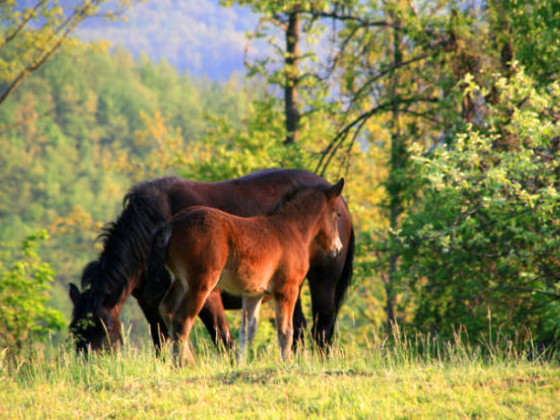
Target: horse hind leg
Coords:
[[249, 324], [214, 318], [188, 310]]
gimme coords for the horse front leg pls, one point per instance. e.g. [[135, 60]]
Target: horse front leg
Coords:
[[171, 302], [322, 285], [285, 302], [249, 324], [158, 328], [300, 325]]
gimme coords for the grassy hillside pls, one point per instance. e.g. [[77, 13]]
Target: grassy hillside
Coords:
[[380, 381]]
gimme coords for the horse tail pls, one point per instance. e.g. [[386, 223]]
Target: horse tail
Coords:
[[346, 275], [157, 256]]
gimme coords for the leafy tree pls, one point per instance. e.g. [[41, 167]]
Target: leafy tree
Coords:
[[481, 246], [24, 295], [372, 74]]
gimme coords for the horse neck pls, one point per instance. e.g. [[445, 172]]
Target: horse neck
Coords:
[[127, 240], [303, 215]]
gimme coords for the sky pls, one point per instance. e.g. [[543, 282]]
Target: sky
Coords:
[[198, 36]]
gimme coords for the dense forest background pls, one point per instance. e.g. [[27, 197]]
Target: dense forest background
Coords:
[[442, 115]]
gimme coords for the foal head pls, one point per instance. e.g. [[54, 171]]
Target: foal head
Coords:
[[327, 236], [95, 321]]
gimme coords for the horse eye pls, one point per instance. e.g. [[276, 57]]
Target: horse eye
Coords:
[[338, 214]]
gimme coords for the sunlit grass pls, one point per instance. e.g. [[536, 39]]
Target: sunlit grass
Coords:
[[398, 378]]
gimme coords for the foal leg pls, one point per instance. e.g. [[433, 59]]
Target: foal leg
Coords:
[[249, 324], [285, 302], [188, 310]]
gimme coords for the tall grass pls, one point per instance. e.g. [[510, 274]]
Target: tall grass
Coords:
[[396, 377]]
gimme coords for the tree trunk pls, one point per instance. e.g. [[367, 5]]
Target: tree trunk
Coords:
[[395, 183], [293, 34]]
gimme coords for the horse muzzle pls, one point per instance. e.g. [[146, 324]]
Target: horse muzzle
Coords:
[[336, 248]]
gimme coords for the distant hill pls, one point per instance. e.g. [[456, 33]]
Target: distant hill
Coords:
[[199, 36]]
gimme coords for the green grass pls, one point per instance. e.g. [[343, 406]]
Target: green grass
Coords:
[[373, 380]]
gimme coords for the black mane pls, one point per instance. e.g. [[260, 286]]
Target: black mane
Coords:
[[126, 243]]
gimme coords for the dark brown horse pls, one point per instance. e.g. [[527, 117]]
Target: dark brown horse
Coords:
[[119, 270], [254, 256]]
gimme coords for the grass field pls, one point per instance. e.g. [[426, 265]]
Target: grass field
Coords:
[[373, 380]]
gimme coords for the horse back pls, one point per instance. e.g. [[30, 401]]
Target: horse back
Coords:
[[249, 253], [251, 195]]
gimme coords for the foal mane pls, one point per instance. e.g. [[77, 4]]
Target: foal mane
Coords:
[[126, 243], [294, 194]]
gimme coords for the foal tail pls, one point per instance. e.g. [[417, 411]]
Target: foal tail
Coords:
[[346, 275], [156, 258]]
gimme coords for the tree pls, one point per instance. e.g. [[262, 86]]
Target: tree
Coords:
[[32, 34], [481, 245], [395, 83], [383, 70], [295, 63]]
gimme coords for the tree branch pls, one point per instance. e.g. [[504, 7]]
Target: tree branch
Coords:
[[341, 136], [67, 27], [23, 23]]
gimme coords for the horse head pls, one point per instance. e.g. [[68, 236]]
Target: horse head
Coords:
[[328, 237], [95, 321]]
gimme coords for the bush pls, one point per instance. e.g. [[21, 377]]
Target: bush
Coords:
[[481, 248], [24, 293]]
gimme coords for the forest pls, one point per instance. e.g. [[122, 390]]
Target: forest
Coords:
[[443, 117]]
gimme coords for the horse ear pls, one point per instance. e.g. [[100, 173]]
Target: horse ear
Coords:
[[335, 191], [74, 293]]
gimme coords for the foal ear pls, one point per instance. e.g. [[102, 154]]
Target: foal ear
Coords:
[[335, 191], [74, 293]]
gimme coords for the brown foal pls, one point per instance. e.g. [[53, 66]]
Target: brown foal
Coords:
[[205, 248]]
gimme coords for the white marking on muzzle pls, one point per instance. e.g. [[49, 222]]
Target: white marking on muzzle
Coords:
[[337, 247]]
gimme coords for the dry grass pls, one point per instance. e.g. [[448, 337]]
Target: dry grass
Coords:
[[371, 380]]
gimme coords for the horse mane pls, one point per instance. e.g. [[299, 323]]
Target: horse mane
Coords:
[[293, 194], [126, 242]]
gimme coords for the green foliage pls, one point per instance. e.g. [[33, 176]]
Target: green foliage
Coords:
[[528, 32], [24, 295], [228, 151], [481, 245], [70, 135]]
